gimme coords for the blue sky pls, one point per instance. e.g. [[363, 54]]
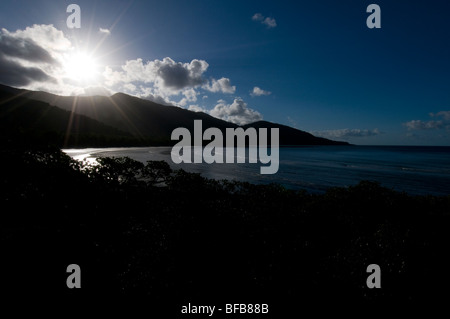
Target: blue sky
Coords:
[[314, 65]]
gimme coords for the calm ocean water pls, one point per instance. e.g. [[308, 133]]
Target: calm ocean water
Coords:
[[413, 169]]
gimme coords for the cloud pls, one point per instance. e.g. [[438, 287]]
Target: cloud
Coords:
[[222, 85], [23, 61], [97, 90], [163, 79], [157, 99], [196, 108], [444, 114], [38, 58], [237, 112], [176, 75], [13, 73], [258, 92], [146, 93], [258, 17], [346, 133], [47, 36], [130, 87], [23, 48], [269, 22], [167, 75], [424, 125], [190, 95], [35, 58], [104, 31], [443, 122]]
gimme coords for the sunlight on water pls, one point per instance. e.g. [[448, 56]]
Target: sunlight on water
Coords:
[[85, 155]]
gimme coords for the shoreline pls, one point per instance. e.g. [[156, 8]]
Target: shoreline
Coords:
[[415, 170]]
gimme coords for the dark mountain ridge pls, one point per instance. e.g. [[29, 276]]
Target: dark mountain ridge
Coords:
[[29, 122], [145, 121]]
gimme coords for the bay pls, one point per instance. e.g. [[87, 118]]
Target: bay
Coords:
[[417, 170]]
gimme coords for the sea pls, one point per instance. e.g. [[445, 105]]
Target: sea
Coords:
[[416, 170]]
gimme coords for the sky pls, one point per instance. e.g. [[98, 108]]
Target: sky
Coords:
[[312, 65]]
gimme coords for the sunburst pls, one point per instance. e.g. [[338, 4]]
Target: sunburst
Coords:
[[81, 67]]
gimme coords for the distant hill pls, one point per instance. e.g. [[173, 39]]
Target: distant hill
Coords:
[[146, 121], [28, 122], [140, 118], [293, 136]]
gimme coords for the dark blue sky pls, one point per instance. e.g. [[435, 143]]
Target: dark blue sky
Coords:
[[317, 65]]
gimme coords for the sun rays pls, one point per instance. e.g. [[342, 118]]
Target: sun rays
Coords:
[[81, 67]]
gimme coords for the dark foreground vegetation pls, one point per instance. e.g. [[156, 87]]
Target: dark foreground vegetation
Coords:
[[147, 232]]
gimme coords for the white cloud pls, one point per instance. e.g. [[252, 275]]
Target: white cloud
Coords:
[[190, 95], [270, 22], [444, 122], [267, 21], [196, 108], [47, 36], [347, 133], [258, 92], [130, 87], [444, 114], [97, 90], [165, 78], [166, 75], [222, 85], [237, 112], [157, 99], [104, 31], [424, 125], [148, 93], [258, 17]]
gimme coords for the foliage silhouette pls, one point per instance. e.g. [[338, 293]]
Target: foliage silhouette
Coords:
[[146, 230]]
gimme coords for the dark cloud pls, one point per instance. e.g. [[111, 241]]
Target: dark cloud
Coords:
[[13, 73], [167, 75], [25, 49], [175, 76], [179, 76]]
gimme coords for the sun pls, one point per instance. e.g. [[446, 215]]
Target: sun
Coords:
[[81, 67]]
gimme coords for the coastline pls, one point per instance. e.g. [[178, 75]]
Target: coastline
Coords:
[[417, 170]]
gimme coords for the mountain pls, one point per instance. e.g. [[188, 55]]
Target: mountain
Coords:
[[29, 122], [146, 121], [140, 118], [293, 136]]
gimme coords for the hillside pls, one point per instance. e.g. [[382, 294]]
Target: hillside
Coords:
[[293, 136], [149, 122], [29, 122]]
